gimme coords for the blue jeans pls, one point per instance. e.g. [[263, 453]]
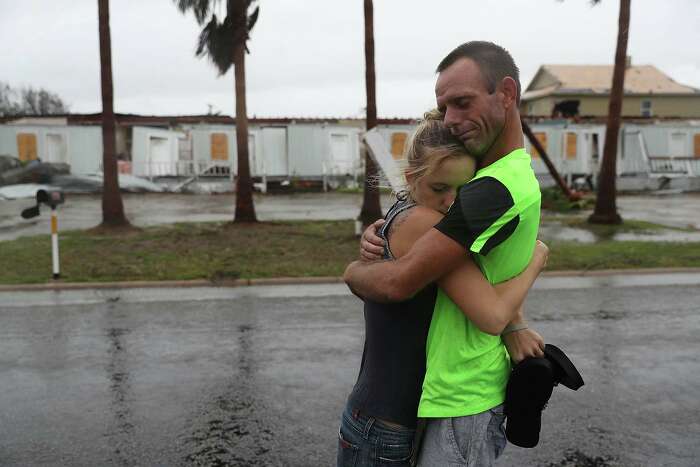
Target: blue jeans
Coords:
[[364, 441]]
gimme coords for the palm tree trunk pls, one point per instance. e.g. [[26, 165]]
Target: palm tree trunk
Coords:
[[245, 210], [605, 208], [112, 206], [371, 209]]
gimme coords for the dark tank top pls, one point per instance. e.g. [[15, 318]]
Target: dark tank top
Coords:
[[393, 359]]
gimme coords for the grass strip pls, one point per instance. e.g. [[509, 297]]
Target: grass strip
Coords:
[[220, 251]]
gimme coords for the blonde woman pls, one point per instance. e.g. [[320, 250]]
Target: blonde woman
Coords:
[[379, 421]]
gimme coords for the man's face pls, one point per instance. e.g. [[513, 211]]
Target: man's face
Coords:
[[474, 115]]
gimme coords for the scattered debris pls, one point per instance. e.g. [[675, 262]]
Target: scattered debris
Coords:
[[18, 180]]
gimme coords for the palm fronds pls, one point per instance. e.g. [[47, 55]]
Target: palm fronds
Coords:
[[218, 39]]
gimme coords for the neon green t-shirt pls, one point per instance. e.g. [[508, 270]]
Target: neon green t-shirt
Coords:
[[495, 216]]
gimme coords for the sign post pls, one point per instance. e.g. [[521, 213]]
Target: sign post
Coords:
[[52, 199]]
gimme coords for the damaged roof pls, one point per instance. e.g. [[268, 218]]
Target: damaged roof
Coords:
[[597, 79], [174, 120]]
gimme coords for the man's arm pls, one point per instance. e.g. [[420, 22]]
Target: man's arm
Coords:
[[430, 258]]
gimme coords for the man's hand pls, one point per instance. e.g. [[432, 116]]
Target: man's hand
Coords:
[[523, 344], [372, 245]]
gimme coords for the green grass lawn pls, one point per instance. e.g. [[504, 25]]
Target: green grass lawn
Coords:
[[220, 251]]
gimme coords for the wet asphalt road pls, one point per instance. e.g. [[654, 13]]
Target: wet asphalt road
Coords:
[[84, 211], [257, 376]]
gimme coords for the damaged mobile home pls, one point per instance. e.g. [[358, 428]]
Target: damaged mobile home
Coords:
[[182, 151]]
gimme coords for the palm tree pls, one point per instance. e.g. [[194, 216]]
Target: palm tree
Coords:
[[112, 206], [225, 43], [371, 210], [605, 211]]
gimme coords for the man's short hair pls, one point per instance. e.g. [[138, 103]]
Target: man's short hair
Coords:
[[493, 60]]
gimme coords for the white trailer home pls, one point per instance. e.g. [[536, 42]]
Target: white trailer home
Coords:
[[647, 150], [650, 151], [154, 152], [77, 146], [288, 148], [278, 148]]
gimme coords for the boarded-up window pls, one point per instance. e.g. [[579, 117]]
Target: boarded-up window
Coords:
[[26, 146], [571, 140], [696, 144], [542, 138], [219, 147], [398, 144]]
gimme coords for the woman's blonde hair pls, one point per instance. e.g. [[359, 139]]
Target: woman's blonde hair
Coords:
[[431, 144]]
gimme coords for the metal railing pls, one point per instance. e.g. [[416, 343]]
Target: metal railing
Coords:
[[183, 169], [669, 166]]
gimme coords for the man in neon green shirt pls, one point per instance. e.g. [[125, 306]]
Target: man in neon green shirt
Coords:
[[495, 217]]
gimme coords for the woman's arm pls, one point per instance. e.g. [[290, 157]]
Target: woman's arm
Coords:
[[491, 307]]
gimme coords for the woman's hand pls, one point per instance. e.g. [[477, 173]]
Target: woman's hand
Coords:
[[372, 245], [541, 254], [523, 344]]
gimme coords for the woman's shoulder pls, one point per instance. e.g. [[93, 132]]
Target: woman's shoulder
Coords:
[[409, 225]]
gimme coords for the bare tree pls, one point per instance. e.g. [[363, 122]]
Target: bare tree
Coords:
[[225, 43], [112, 205], [29, 101], [8, 104], [371, 209]]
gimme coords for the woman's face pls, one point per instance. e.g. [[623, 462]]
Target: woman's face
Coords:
[[437, 190]]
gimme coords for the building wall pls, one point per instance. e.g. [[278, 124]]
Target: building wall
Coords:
[[121, 140], [541, 106], [82, 144], [311, 149], [84, 149], [145, 161], [662, 106], [202, 137], [631, 158], [657, 140]]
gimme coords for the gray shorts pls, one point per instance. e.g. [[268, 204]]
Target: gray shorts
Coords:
[[473, 441]]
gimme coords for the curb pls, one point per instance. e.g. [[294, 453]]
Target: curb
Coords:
[[169, 284], [294, 280], [617, 272]]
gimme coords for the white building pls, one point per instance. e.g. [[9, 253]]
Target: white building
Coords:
[[186, 147]]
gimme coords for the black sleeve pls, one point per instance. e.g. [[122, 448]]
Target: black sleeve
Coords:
[[482, 216]]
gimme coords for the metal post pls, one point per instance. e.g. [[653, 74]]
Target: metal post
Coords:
[[54, 242]]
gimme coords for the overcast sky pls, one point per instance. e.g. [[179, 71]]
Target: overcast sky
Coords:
[[307, 57]]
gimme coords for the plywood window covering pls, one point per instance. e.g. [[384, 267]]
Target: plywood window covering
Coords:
[[219, 147], [696, 145], [571, 140], [542, 138], [26, 146], [398, 144]]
